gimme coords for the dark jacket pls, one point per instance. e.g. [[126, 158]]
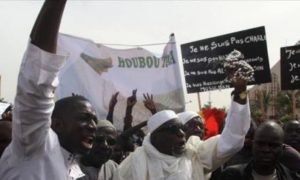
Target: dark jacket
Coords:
[[244, 172]]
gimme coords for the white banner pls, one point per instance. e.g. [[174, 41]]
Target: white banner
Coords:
[[97, 72]]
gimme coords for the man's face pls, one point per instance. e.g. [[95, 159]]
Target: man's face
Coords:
[[292, 134], [194, 127], [103, 145], [267, 146], [170, 138], [5, 135], [79, 127]]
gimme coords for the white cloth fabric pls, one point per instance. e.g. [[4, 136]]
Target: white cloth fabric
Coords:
[[35, 152], [200, 158], [159, 118], [186, 116], [106, 172]]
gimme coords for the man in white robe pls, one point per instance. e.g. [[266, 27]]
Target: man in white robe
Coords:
[[165, 154], [193, 124], [37, 151]]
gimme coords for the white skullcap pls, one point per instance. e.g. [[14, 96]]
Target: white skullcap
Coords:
[[160, 118], [104, 123], [186, 116]]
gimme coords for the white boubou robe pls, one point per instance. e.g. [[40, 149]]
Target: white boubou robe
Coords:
[[200, 158]]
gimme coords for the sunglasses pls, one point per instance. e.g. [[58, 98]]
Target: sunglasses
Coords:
[[172, 128]]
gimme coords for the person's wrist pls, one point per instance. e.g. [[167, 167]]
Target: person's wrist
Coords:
[[243, 95], [240, 96]]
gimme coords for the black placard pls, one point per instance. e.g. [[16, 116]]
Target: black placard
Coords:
[[203, 60], [290, 67]]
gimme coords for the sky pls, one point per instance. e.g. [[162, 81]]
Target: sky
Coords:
[[147, 22]]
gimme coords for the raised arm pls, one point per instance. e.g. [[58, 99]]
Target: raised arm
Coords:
[[45, 30], [37, 81], [112, 103], [216, 150], [149, 103], [131, 101], [237, 121], [219, 149]]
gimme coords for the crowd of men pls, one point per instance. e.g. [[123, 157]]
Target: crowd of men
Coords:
[[64, 140]]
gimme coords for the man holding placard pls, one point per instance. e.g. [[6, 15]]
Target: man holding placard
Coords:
[[167, 154]]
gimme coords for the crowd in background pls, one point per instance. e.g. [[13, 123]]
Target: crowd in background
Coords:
[[65, 140]]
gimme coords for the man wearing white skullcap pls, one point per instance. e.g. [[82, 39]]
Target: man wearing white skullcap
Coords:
[[192, 124], [160, 118], [166, 155]]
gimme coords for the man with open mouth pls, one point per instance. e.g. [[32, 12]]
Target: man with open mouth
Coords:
[[46, 139], [97, 165], [166, 153]]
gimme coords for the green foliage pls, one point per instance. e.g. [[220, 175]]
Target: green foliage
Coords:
[[267, 99], [286, 118], [282, 103]]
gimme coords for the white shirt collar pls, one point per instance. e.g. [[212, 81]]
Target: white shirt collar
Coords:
[[71, 163]]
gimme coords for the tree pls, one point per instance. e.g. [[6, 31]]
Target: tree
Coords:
[[260, 105], [283, 104]]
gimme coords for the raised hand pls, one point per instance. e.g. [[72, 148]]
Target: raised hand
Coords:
[[113, 101], [131, 101], [45, 30], [236, 67], [239, 92], [239, 72], [149, 103]]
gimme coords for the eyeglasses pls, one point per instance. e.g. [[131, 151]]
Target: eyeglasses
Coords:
[[110, 141], [194, 125], [172, 128]]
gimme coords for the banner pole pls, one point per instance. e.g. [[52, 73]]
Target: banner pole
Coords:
[[199, 101]]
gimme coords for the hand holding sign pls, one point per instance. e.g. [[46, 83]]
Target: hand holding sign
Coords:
[[203, 60], [239, 93], [239, 72], [236, 68]]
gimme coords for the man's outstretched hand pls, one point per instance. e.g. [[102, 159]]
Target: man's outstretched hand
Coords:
[[149, 103], [131, 101], [240, 90]]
